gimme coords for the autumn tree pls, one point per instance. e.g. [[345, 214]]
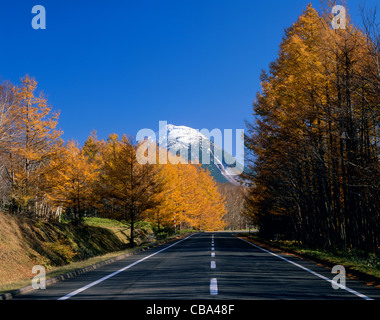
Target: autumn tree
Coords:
[[44, 176], [234, 205], [7, 133], [70, 178], [126, 184], [190, 198], [169, 207], [314, 142], [210, 203], [31, 138]]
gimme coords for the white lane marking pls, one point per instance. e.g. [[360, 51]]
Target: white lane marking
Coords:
[[213, 254], [212, 248], [212, 265], [213, 287], [311, 271], [69, 295]]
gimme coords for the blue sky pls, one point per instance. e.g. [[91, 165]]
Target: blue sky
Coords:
[[120, 65]]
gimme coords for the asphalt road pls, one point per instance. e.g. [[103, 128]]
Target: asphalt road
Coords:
[[206, 266]]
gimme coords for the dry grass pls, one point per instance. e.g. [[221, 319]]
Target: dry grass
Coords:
[[16, 257]]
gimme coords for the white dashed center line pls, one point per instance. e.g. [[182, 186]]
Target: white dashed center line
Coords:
[[213, 287], [213, 281]]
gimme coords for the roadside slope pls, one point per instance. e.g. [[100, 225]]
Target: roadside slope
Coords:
[[26, 242]]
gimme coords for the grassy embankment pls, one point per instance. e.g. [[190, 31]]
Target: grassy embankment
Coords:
[[62, 247]]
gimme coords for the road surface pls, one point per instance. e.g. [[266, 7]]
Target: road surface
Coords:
[[206, 266]]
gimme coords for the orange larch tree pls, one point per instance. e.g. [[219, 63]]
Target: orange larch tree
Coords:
[[33, 142]]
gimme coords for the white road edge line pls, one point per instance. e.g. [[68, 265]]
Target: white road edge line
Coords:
[[69, 295], [311, 271], [213, 287]]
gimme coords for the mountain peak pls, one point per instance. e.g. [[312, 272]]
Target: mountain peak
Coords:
[[197, 145]]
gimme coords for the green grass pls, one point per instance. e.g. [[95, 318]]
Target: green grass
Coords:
[[103, 222]]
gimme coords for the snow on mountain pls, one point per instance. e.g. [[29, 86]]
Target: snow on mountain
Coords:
[[199, 148]]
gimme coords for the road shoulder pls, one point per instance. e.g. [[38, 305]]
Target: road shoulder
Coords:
[[370, 280]]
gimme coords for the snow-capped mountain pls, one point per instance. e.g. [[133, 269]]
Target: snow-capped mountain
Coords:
[[197, 147]]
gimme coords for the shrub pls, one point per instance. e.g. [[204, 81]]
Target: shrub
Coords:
[[62, 248]]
